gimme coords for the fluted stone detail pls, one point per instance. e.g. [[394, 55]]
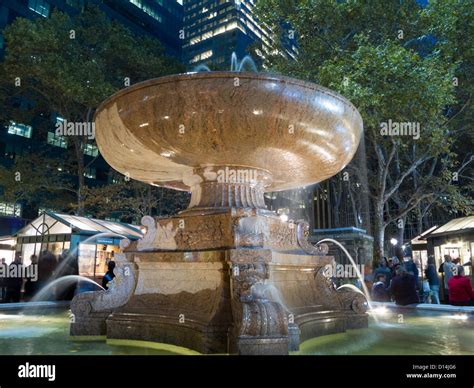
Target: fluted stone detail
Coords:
[[228, 186]]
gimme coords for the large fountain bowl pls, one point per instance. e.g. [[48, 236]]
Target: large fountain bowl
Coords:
[[160, 130]]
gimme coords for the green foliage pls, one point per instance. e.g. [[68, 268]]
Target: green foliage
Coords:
[[395, 61], [74, 63], [38, 179], [133, 199], [67, 65]]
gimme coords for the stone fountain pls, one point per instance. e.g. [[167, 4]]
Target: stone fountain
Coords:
[[225, 275]]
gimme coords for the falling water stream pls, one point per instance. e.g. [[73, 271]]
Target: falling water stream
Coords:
[[247, 63], [359, 276], [58, 282], [74, 252], [63, 281]]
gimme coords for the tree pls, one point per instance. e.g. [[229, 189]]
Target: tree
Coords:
[[132, 199], [377, 54], [66, 65], [37, 179], [451, 22]]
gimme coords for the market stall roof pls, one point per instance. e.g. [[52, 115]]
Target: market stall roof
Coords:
[[456, 226], [7, 242], [56, 223], [421, 238]]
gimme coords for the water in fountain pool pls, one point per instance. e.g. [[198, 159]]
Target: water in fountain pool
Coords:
[[48, 334], [419, 334]]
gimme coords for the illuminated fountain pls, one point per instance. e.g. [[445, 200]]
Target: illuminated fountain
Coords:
[[225, 275]]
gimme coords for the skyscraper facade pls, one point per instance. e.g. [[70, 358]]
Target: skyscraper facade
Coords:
[[213, 29]]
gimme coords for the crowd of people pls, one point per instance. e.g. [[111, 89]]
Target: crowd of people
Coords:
[[392, 280], [48, 268], [400, 282]]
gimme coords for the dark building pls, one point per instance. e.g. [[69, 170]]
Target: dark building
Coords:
[[161, 19], [214, 29]]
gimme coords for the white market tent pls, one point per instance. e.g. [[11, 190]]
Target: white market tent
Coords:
[[458, 225], [56, 223], [57, 233]]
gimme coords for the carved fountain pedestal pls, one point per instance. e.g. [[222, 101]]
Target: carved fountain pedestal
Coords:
[[226, 275]]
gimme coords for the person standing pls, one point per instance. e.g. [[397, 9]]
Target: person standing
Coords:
[[47, 263], [3, 282], [403, 287], [379, 289], [31, 283], [14, 281], [109, 275], [383, 269], [448, 273], [395, 263], [460, 289], [411, 268], [432, 277]]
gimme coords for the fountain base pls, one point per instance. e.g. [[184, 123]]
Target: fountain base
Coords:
[[237, 281]]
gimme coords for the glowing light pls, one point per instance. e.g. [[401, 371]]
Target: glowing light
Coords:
[[284, 217], [393, 241], [382, 310], [144, 125], [459, 317]]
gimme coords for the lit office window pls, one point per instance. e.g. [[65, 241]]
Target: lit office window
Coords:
[[206, 54], [217, 31], [90, 172], [91, 150], [20, 129], [148, 8], [56, 140], [207, 35], [10, 209], [202, 56], [195, 40], [39, 6]]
